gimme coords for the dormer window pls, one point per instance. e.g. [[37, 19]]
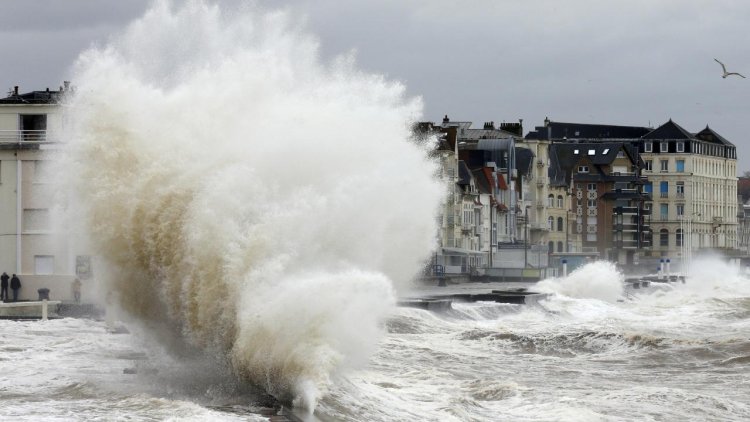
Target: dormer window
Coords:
[[592, 152], [583, 169], [680, 147], [663, 147], [648, 147]]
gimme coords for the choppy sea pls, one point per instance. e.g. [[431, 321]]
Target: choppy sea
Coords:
[[590, 352]]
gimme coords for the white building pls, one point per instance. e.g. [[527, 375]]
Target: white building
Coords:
[[30, 129], [693, 181]]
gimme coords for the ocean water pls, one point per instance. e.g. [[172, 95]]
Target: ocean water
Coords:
[[671, 352]]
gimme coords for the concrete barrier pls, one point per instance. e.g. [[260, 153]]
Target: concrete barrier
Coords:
[[29, 310]]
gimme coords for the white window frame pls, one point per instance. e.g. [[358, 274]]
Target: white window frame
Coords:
[[680, 147], [583, 169], [663, 147], [648, 146]]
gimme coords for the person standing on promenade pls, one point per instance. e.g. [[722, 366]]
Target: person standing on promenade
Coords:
[[4, 287], [15, 285]]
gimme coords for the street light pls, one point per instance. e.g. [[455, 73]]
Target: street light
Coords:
[[526, 236]]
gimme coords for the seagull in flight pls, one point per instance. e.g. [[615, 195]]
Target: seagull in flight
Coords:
[[724, 68]]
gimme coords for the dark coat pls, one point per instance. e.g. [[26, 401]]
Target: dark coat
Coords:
[[4, 281], [15, 283]]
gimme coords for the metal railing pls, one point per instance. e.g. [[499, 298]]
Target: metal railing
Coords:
[[17, 136]]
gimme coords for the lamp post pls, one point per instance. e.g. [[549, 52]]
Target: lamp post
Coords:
[[526, 236]]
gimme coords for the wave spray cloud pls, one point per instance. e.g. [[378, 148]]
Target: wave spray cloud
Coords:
[[263, 201]]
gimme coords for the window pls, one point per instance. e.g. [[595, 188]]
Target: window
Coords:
[[664, 212], [648, 187], [621, 154], [575, 151], [606, 150], [649, 165], [680, 147], [680, 189], [559, 246], [551, 223], [680, 164], [663, 237], [663, 189], [591, 186], [680, 210], [550, 247], [664, 166], [678, 237], [583, 169], [559, 201], [551, 201], [560, 224], [592, 203], [592, 152], [648, 147], [663, 147], [36, 219], [44, 264]]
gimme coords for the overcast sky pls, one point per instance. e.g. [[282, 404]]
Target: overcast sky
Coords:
[[634, 62]]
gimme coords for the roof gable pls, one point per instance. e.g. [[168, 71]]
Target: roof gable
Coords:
[[709, 135], [669, 130]]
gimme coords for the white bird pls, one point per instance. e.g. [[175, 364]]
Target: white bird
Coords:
[[724, 68]]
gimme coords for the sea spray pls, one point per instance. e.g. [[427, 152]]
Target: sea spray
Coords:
[[596, 280], [262, 201]]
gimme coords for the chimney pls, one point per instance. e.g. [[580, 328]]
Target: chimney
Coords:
[[446, 119], [66, 84], [15, 90]]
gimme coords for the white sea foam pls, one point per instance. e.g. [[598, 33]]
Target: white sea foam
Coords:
[[263, 201], [596, 280]]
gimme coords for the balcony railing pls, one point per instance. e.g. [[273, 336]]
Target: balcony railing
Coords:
[[18, 136], [663, 194], [680, 195]]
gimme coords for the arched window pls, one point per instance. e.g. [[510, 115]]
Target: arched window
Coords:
[[559, 201], [663, 237], [551, 223], [678, 237], [550, 247], [560, 224], [559, 246], [551, 201]]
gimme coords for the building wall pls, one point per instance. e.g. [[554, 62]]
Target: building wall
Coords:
[[709, 200]]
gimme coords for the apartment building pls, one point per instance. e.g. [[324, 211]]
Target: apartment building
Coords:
[[693, 178]]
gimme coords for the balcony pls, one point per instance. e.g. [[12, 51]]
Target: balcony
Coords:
[[625, 210], [663, 194], [22, 136], [680, 195]]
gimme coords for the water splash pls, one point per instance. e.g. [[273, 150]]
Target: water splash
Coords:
[[261, 200], [597, 280]]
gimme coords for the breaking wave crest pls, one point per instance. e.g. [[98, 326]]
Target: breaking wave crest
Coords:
[[247, 192]]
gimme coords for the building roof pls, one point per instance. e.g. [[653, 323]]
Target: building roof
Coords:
[[561, 130], [524, 160], [464, 175], [565, 156], [669, 130], [33, 97], [709, 135]]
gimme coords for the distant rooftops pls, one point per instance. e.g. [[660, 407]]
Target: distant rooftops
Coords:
[[583, 131], [36, 97]]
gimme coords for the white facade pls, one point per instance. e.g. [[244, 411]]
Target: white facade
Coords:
[[29, 135], [694, 184]]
